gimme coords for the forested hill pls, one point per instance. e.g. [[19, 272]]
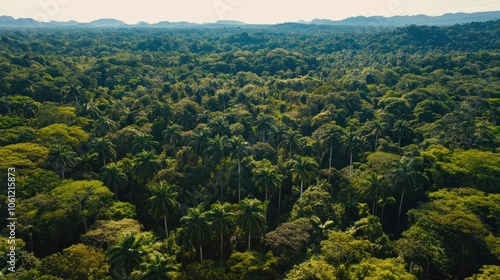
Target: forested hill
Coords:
[[291, 151], [373, 21]]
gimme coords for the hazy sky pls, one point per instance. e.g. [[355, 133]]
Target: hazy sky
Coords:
[[249, 11]]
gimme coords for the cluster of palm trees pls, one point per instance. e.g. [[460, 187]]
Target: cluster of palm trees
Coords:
[[222, 220]]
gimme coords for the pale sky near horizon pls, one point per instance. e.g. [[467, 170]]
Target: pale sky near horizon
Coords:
[[249, 11]]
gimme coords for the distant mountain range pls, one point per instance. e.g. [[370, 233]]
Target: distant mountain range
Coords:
[[395, 21]]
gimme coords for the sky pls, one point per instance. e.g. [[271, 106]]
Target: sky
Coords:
[[249, 11]]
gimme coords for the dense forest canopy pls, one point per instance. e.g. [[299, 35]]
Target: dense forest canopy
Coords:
[[282, 152]]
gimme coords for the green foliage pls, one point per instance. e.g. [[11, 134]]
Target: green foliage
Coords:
[[104, 232], [382, 120], [448, 232], [343, 249], [289, 241], [76, 262], [61, 134], [312, 269], [315, 201], [377, 269], [253, 265]]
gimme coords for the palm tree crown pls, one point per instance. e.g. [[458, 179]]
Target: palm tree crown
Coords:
[[197, 227], [61, 157], [303, 170], [251, 217], [163, 202]]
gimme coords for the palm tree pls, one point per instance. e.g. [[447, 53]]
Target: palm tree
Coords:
[[405, 176], [222, 222], [251, 217], [104, 148], [173, 136], [373, 189], [401, 128], [61, 157], [163, 202], [157, 267], [114, 177], [303, 170], [197, 227], [145, 165], [267, 177], [223, 98], [277, 134], [199, 142], [368, 226], [125, 255], [26, 108], [216, 151], [292, 139], [186, 118], [87, 160], [219, 126], [74, 91], [104, 126], [239, 149], [264, 124], [163, 110], [383, 202], [144, 142], [350, 143], [331, 134], [378, 128]]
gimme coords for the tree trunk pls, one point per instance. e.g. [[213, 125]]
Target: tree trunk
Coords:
[[166, 228], [279, 201], [249, 240], [330, 163], [201, 253], [401, 205], [239, 178], [301, 187], [376, 138], [221, 247], [350, 164]]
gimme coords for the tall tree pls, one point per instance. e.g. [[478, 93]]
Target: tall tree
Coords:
[[351, 143], [199, 142], [216, 150], [104, 126], [277, 134], [331, 134], [239, 149], [377, 130], [374, 188], [104, 148], [145, 166], [267, 177], [173, 136], [114, 177], [125, 255], [61, 157], [163, 202], [292, 140], [303, 170], [251, 217], [222, 222], [197, 227], [144, 142], [404, 176], [401, 129], [264, 124]]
